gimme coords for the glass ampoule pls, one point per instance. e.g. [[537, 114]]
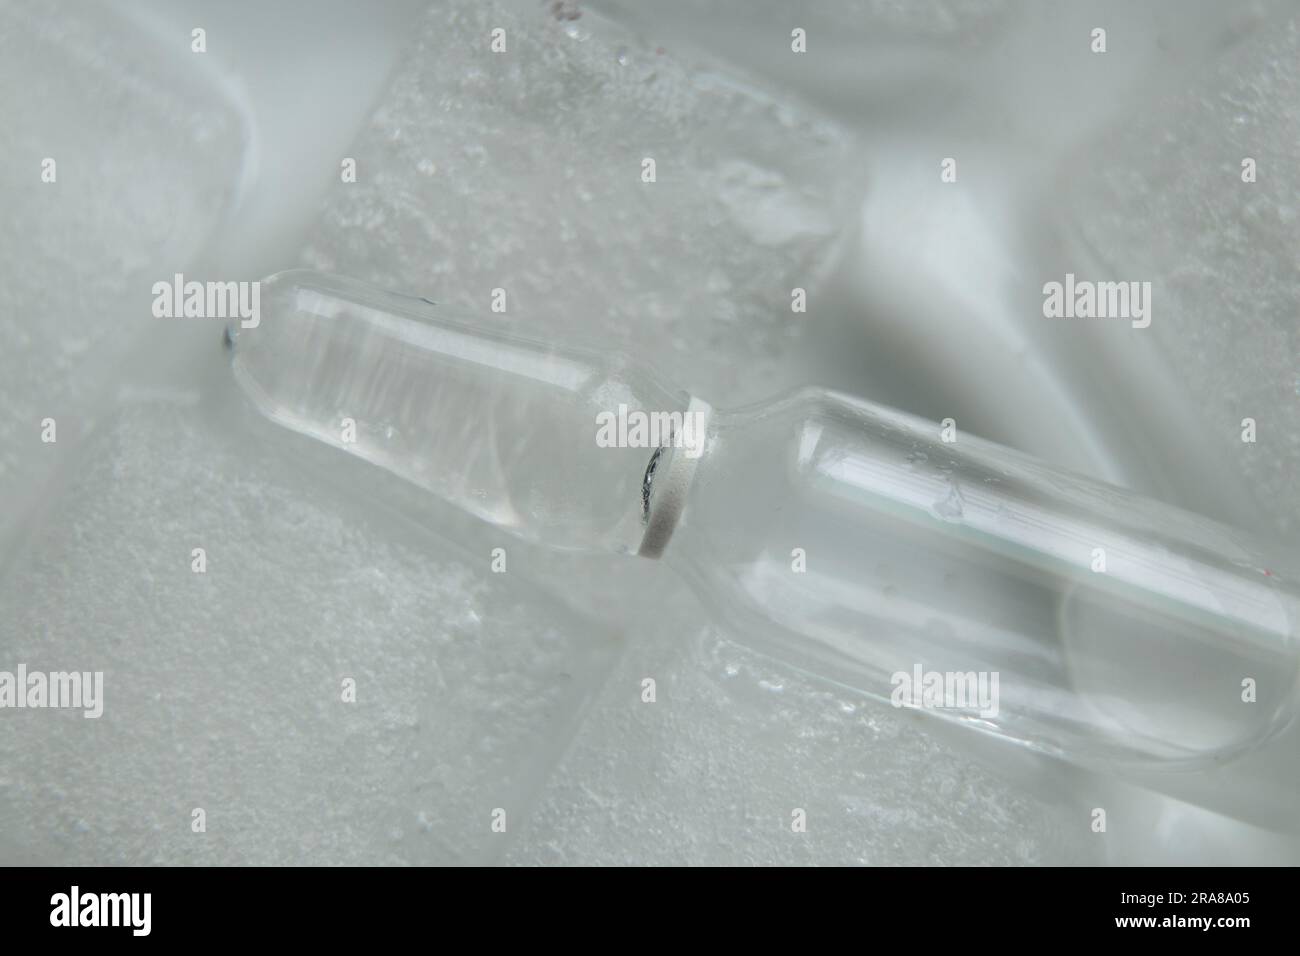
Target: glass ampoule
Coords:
[[846, 538]]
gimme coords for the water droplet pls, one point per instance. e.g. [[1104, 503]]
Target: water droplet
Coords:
[[951, 507]]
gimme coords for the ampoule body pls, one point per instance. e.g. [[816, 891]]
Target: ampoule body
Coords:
[[849, 539]]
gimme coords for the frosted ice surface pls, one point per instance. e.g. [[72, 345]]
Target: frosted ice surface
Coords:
[[520, 171], [223, 690], [842, 24], [881, 56], [711, 772], [1170, 206], [523, 171], [147, 159]]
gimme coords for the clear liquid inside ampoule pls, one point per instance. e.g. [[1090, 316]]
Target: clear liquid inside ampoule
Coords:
[[851, 540], [502, 427]]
